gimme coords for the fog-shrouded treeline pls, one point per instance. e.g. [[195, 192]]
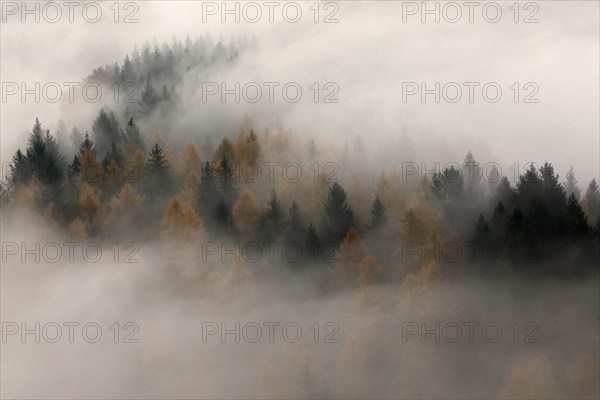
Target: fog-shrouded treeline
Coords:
[[367, 245], [271, 186]]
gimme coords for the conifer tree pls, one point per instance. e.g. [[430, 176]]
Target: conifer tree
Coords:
[[448, 184], [113, 154], [19, 173], [87, 144], [158, 172], [132, 132], [149, 98], [571, 186], [576, 219], [271, 222], [295, 230], [312, 246], [207, 191], [592, 198], [106, 130], [378, 215], [226, 179], [472, 174], [338, 217]]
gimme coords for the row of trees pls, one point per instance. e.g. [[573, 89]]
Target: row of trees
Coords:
[[112, 171]]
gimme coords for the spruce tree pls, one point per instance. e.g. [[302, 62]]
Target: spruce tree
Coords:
[[36, 154], [226, 179], [149, 98], [113, 154], [19, 173], [592, 198], [87, 144], [575, 218], [472, 174], [132, 132], [295, 232], [571, 186], [448, 184], [106, 130], [378, 215], [158, 172], [312, 245], [271, 222], [207, 190], [338, 217], [74, 168]]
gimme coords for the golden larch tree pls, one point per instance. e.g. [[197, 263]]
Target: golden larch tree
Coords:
[[246, 213], [181, 221]]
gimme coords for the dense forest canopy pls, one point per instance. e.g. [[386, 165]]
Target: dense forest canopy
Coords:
[[369, 242]]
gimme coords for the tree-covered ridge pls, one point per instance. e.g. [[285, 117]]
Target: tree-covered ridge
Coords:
[[119, 181], [153, 75]]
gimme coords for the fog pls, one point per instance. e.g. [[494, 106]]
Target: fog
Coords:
[[368, 53], [376, 320]]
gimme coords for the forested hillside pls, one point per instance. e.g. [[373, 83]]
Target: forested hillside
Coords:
[[240, 187]]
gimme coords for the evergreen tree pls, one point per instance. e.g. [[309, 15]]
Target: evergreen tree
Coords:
[[87, 144], [76, 138], [106, 130], [127, 72], [338, 218], [472, 174], [132, 132], [592, 198], [226, 178], [378, 215], [482, 230], [596, 235], [575, 218], [149, 98], [448, 184], [553, 192], [529, 184], [499, 217], [312, 245], [36, 149], [504, 193], [571, 186], [114, 154], [74, 168], [207, 191], [223, 215], [271, 222], [19, 173], [52, 148], [158, 172], [295, 226], [493, 178], [43, 155]]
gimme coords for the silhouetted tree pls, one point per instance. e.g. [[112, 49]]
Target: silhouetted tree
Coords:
[[106, 130], [132, 131], [158, 174], [592, 198], [271, 223], [114, 154], [571, 186], [295, 230], [338, 218], [378, 215], [312, 245]]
